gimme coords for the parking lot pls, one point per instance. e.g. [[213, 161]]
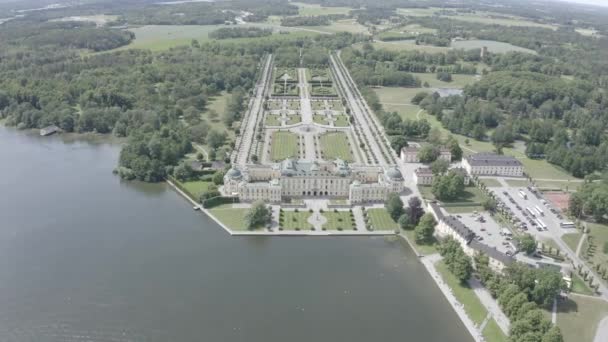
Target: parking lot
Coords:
[[523, 209], [488, 231]]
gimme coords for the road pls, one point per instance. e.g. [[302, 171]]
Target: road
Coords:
[[373, 137], [253, 114], [601, 334]]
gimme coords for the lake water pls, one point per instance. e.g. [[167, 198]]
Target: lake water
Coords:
[[87, 257]]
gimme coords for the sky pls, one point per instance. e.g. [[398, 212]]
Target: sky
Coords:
[[588, 2]]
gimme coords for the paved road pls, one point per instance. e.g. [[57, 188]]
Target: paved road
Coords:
[[601, 334], [246, 141], [364, 122], [429, 262], [305, 106], [491, 305]]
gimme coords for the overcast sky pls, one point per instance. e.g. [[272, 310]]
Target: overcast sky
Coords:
[[588, 2]]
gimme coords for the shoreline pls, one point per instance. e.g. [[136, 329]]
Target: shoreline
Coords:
[[426, 261]]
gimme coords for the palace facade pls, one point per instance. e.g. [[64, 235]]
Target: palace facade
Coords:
[[297, 179]]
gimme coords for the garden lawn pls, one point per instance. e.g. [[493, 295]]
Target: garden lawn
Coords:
[[284, 145], [335, 145], [296, 220], [578, 317], [422, 249], [233, 218], [492, 332], [273, 120], [341, 121], [293, 119], [465, 295], [320, 119], [196, 188], [458, 80], [470, 200], [315, 10], [339, 219], [381, 220]]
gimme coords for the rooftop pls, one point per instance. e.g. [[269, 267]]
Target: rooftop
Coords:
[[492, 159], [424, 171]]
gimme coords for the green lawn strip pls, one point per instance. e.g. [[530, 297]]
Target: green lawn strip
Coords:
[[490, 182], [338, 220], [316, 10], [292, 220], [517, 183], [492, 332], [275, 105], [273, 120], [317, 105], [465, 295], [233, 218], [422, 249], [196, 188], [572, 240], [320, 119], [341, 121], [578, 317], [293, 105], [335, 145], [380, 219], [471, 197], [293, 119], [579, 286], [458, 80], [284, 145], [597, 237]]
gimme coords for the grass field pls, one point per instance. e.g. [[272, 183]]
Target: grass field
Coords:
[[217, 105], [468, 202], [572, 239], [314, 9], [493, 46], [422, 249], [408, 44], [293, 119], [492, 332], [341, 121], [490, 182], [596, 239], [465, 295], [578, 317], [273, 120], [486, 18], [284, 145], [579, 286], [338, 220], [196, 187], [335, 145], [345, 25], [292, 220], [163, 37], [458, 80], [320, 119], [233, 218], [381, 220]]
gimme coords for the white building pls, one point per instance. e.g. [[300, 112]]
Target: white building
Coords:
[[450, 226], [491, 164], [423, 176], [297, 179], [409, 154]]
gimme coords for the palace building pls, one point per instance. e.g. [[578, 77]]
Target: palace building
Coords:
[[297, 179]]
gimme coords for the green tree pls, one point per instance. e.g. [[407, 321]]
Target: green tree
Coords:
[[455, 149], [218, 178], [405, 223], [414, 210], [553, 335], [439, 166], [428, 154], [527, 243], [394, 206], [258, 215], [398, 142], [183, 171], [216, 139], [425, 229], [448, 187]]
